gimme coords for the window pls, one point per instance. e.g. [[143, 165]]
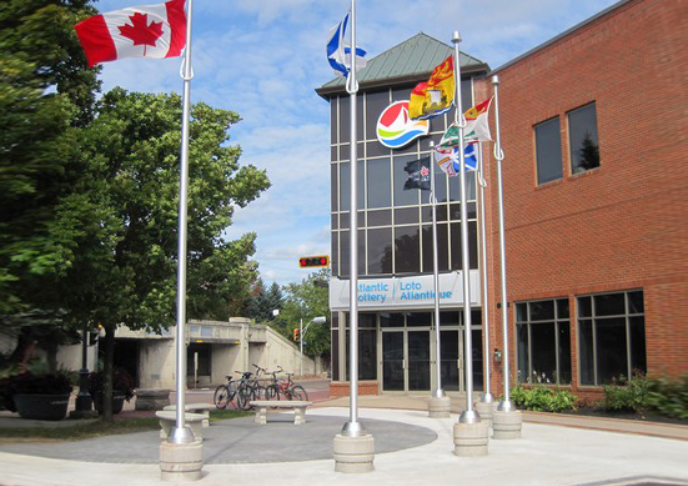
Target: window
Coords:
[[611, 335], [585, 152], [543, 341], [548, 151]]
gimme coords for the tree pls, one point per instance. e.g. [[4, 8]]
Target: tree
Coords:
[[307, 300], [46, 94], [124, 211], [262, 302]]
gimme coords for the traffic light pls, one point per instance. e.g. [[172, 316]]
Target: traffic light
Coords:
[[296, 334], [314, 261]]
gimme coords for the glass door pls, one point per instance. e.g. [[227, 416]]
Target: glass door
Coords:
[[406, 360], [418, 371], [393, 364], [451, 363]]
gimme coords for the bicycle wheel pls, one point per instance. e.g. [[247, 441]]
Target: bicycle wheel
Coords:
[[272, 392], [244, 397], [298, 393], [221, 398]]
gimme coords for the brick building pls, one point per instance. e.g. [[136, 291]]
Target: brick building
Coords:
[[595, 186], [596, 242]]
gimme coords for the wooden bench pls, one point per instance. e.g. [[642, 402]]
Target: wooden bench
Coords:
[[298, 406], [202, 408], [168, 420]]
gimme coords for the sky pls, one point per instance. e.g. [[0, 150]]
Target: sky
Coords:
[[264, 59]]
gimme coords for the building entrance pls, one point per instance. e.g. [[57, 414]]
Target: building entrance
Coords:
[[406, 360]]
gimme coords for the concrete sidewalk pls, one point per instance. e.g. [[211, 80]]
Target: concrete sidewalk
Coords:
[[546, 455]]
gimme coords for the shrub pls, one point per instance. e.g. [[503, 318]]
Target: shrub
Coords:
[[669, 397], [121, 381], [631, 396], [543, 399], [31, 384]]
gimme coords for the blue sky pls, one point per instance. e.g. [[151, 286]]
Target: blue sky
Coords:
[[263, 59]]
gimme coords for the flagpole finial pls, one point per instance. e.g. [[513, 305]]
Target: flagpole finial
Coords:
[[495, 80], [456, 38]]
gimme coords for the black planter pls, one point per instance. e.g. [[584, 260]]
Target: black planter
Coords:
[[117, 402], [42, 407]]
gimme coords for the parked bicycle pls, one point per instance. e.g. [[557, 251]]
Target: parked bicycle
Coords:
[[225, 394], [286, 388]]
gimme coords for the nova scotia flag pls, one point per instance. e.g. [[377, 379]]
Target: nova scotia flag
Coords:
[[339, 50]]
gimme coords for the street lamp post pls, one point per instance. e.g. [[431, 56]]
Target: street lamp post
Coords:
[[302, 331]]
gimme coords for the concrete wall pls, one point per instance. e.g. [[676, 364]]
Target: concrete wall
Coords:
[[235, 346]]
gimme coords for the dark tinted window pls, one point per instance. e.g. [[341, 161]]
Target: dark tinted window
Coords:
[[585, 151], [376, 103], [379, 183], [407, 246], [548, 151], [380, 251]]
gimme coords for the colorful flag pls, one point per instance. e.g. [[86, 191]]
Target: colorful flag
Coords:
[[418, 174], [435, 97], [155, 31], [449, 161], [339, 50], [477, 127]]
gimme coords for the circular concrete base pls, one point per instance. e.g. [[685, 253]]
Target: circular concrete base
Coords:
[[470, 440], [485, 411], [439, 407], [181, 462], [507, 425], [354, 454]]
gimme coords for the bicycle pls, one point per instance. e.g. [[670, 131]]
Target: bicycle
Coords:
[[288, 388], [225, 394]]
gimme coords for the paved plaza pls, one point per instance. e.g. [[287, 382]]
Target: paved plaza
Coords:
[[410, 449]]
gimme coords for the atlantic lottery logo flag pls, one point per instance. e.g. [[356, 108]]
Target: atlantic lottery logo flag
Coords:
[[396, 129], [155, 31]]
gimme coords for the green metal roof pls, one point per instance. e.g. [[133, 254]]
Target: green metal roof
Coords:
[[414, 59]]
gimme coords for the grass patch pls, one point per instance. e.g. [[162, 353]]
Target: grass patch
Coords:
[[80, 431]]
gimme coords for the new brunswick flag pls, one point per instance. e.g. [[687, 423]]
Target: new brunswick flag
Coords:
[[435, 97]]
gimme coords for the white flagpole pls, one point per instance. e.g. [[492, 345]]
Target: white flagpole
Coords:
[[505, 405], [182, 434], [353, 428], [468, 416], [439, 392], [487, 396]]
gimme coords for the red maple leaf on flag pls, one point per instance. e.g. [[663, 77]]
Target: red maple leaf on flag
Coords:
[[140, 32]]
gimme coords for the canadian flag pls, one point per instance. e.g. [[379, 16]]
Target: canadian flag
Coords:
[[156, 31]]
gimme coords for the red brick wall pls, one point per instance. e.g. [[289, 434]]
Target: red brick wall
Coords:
[[623, 225], [341, 389]]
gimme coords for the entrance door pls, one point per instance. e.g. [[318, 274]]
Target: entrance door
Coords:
[[393, 375], [451, 362], [413, 373], [418, 345]]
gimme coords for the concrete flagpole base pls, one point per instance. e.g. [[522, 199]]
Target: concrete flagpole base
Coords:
[[439, 407], [354, 454], [507, 425], [181, 462], [470, 440], [484, 409]]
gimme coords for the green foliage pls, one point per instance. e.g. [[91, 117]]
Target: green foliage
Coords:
[[308, 300], [45, 93], [543, 399], [121, 381], [669, 397], [263, 301], [125, 210], [626, 395]]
